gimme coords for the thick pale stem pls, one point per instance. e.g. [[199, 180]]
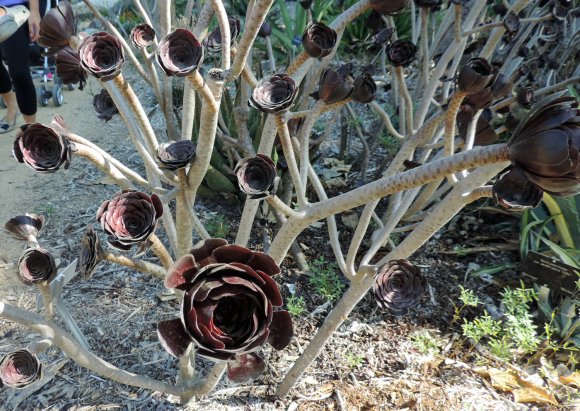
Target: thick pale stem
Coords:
[[271, 57], [425, 44], [386, 120], [297, 63], [142, 266], [188, 113], [220, 11], [291, 160], [44, 288], [203, 20], [457, 26], [183, 220], [450, 116], [104, 165], [407, 97], [280, 206], [160, 251]]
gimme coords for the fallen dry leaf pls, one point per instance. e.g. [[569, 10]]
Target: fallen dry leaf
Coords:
[[572, 379], [522, 390]]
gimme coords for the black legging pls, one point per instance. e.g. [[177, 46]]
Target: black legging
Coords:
[[15, 51]]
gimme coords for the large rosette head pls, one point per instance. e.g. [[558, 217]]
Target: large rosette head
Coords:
[[546, 145], [213, 44], [25, 226], [401, 53], [129, 218], [104, 105], [175, 155], [91, 253], [318, 39], [142, 35], [274, 94], [389, 6], [399, 286], [19, 369], [68, 67], [43, 148], [364, 88], [333, 86], [475, 76], [228, 307], [256, 176], [102, 55], [179, 53], [57, 27], [515, 192], [36, 265]]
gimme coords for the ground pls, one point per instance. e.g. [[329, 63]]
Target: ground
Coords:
[[370, 363]]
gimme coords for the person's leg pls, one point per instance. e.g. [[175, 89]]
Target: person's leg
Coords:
[[8, 96]]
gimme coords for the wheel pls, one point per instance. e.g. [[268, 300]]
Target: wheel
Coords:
[[42, 95], [71, 86], [57, 96], [2, 104]]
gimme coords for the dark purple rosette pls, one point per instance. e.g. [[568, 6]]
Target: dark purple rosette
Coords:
[[511, 22], [256, 176], [475, 76], [142, 35], [57, 27], [399, 286], [25, 226], [19, 369], [274, 94], [526, 96], [401, 53], [546, 145], [129, 218], [36, 265], [68, 67], [484, 132], [91, 253], [228, 307], [102, 55], [177, 154], [43, 148], [389, 6], [515, 192], [333, 86], [306, 4], [213, 43], [179, 53], [104, 105], [265, 30], [364, 88], [318, 39]]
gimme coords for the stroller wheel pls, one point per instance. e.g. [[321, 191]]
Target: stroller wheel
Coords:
[[71, 86], [42, 95], [57, 96]]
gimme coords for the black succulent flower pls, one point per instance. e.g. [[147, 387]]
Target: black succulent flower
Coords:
[[57, 27], [129, 218], [318, 40], [383, 36], [36, 265], [306, 4], [68, 67], [25, 226], [364, 88], [389, 6], [175, 155], [91, 253], [256, 175], [399, 286], [43, 148], [19, 369], [511, 22], [514, 191], [401, 53], [102, 55], [179, 53], [333, 87], [546, 145], [142, 35], [265, 29], [104, 105], [498, 87], [213, 43], [228, 307], [475, 76], [484, 132], [274, 94]]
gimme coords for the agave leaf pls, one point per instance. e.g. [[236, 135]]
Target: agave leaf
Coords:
[[567, 313], [564, 255]]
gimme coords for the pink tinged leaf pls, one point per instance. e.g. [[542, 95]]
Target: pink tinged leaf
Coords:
[[205, 250], [176, 276], [245, 368], [173, 337], [281, 330], [232, 253]]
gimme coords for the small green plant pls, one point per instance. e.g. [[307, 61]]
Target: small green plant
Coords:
[[296, 305], [468, 297], [425, 342], [217, 226], [46, 209], [353, 360], [325, 279]]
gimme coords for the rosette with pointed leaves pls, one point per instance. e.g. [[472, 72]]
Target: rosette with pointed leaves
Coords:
[[68, 67], [484, 132], [399, 286], [129, 218], [389, 6], [256, 175], [24, 226], [364, 88], [91, 252], [176, 154], [401, 53], [57, 27], [179, 53], [546, 145], [142, 35], [318, 39], [514, 191], [213, 43], [333, 87], [102, 55], [475, 76], [104, 105], [19, 369], [274, 94], [228, 307], [43, 148], [36, 265], [498, 87]]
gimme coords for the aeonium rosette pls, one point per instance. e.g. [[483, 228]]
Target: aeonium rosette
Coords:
[[102, 55], [142, 35], [228, 307], [179, 53], [19, 369], [57, 27]]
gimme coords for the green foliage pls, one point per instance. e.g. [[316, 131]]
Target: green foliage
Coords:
[[325, 279], [296, 305], [468, 297], [353, 360], [217, 226], [425, 342]]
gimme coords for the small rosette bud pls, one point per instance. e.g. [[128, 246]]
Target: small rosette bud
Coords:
[[24, 226], [91, 253], [333, 87], [19, 369], [142, 35], [104, 105], [36, 265], [318, 40], [175, 155], [256, 176], [57, 27], [401, 53], [68, 67], [475, 76], [179, 53], [515, 192], [364, 88], [102, 55], [274, 94], [213, 44], [399, 286]]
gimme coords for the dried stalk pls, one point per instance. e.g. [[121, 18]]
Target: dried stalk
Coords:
[[139, 265]]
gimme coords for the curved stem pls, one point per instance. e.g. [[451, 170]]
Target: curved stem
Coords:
[[104, 165], [284, 135], [386, 120], [44, 288], [220, 11], [160, 251], [139, 265]]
